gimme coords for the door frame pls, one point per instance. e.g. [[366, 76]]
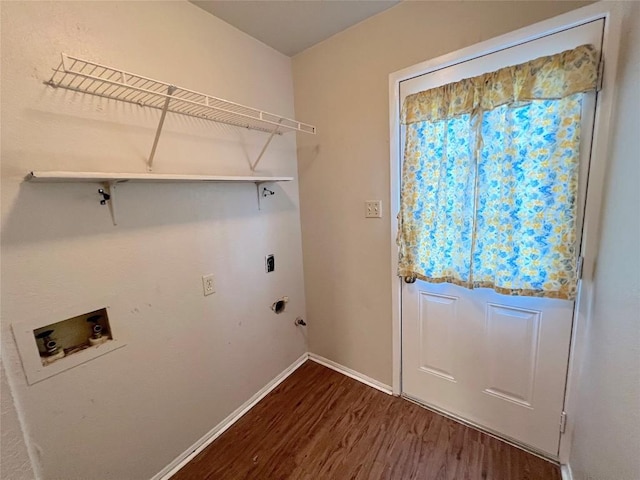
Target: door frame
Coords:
[[599, 159]]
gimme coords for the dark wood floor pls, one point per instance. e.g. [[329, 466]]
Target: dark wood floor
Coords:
[[319, 424]]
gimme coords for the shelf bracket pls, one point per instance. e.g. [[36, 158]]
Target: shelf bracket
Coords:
[[264, 149], [170, 90], [107, 191], [262, 192], [258, 185]]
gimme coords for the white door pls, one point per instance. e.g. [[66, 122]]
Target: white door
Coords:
[[497, 361]]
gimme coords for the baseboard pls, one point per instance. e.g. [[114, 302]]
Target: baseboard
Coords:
[[565, 472], [219, 429], [351, 373]]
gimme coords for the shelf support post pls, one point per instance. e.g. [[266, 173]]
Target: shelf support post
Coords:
[[170, 91], [264, 149], [110, 188], [258, 184]]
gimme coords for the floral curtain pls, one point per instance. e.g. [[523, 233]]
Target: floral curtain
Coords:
[[490, 178]]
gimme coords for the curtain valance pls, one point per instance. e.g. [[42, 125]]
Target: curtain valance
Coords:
[[545, 78]]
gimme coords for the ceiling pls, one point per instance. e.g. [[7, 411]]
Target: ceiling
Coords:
[[292, 26]]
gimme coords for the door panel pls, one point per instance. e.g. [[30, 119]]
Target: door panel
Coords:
[[438, 318], [495, 360], [512, 350]]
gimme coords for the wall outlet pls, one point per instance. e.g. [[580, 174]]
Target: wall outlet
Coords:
[[269, 263], [373, 209], [208, 287]]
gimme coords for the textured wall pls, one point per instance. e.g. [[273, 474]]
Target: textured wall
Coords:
[[15, 463], [606, 439], [341, 85], [190, 360]]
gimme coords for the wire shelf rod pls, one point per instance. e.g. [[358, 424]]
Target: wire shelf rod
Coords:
[[196, 111], [90, 73], [91, 84]]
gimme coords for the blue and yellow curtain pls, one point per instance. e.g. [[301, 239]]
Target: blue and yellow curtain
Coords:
[[490, 178]]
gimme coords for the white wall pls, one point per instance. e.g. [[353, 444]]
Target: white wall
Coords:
[[341, 85], [190, 360], [606, 438], [15, 463]]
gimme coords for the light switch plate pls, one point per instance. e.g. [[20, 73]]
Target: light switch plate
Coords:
[[373, 209]]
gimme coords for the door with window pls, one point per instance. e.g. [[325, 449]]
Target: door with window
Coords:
[[493, 196]]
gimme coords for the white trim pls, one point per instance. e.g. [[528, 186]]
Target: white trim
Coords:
[[591, 235], [351, 373], [600, 147], [565, 472], [188, 455], [394, 205], [219, 429]]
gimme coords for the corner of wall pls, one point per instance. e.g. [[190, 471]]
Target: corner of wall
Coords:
[[17, 462]]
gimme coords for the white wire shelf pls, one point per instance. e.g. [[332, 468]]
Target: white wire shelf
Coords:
[[84, 76]]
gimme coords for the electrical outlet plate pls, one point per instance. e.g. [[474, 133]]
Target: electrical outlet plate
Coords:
[[269, 263], [208, 287], [373, 209]]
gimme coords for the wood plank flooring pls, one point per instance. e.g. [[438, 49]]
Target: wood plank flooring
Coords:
[[321, 425]]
